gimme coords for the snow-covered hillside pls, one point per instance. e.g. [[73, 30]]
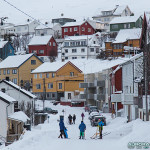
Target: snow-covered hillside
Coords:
[[45, 136], [78, 9]]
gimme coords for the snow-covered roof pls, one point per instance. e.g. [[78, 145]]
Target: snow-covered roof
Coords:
[[82, 37], [69, 24], [14, 61], [46, 26], [126, 19], [19, 116], [128, 34], [25, 22], [2, 43], [40, 40], [86, 66], [29, 94], [119, 10], [6, 97]]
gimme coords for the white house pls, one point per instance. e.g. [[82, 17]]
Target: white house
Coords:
[[48, 29], [108, 14], [25, 101], [6, 108], [80, 47], [131, 70], [27, 27]]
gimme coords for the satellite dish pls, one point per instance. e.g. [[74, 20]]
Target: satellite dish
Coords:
[[62, 14]]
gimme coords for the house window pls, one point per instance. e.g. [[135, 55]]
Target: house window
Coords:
[[34, 51], [97, 50], [127, 26], [94, 42], [82, 50], [83, 43], [91, 49], [83, 29], [83, 57], [4, 71], [78, 43], [131, 45], [41, 51], [74, 50], [70, 29], [3, 90], [53, 95], [49, 43], [71, 74], [53, 75], [54, 44], [8, 71], [40, 75], [38, 86], [47, 75], [74, 57], [66, 58], [66, 44], [89, 29], [75, 29], [85, 23], [60, 85], [114, 26], [35, 76], [50, 85], [33, 62], [14, 71], [65, 29], [66, 50], [14, 80]]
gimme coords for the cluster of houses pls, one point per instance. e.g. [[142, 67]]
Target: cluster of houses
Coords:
[[79, 77]]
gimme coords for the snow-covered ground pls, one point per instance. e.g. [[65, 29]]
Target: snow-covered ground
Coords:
[[45, 136]]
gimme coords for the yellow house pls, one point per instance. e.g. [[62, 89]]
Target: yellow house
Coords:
[[127, 42], [18, 69], [57, 80]]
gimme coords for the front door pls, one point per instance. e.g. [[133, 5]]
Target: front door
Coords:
[[69, 95]]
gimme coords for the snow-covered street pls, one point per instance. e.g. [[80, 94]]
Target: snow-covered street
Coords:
[[45, 136]]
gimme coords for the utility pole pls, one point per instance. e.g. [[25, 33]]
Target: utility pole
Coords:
[[44, 93]]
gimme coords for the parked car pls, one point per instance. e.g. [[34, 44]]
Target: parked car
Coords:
[[56, 102], [94, 121], [93, 109], [50, 110], [87, 107], [93, 114]]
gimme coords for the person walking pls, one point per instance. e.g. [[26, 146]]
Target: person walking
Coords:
[[74, 118], [62, 128], [70, 119], [82, 115], [100, 127], [82, 128]]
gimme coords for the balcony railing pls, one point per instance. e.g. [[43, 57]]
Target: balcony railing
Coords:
[[83, 85], [99, 96], [99, 83], [128, 99], [115, 98]]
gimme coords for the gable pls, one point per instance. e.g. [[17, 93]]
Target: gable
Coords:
[[67, 68]]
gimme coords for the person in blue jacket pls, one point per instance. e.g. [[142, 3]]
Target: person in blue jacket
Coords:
[[62, 128], [100, 126], [82, 128]]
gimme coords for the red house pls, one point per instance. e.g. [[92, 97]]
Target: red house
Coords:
[[78, 28], [116, 88], [43, 46]]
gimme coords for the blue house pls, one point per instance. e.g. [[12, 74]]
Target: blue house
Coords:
[[6, 49]]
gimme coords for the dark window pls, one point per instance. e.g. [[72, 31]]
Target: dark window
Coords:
[[33, 62], [14, 71], [60, 86], [3, 90], [8, 71], [71, 74], [91, 49], [50, 85], [53, 75], [38, 86], [66, 50]]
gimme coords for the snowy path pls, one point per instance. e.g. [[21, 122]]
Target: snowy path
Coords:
[[45, 136]]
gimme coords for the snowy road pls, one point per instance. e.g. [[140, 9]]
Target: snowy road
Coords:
[[45, 136]]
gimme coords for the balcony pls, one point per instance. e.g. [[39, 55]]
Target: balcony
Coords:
[[82, 96], [129, 99], [115, 98], [99, 96], [83, 85], [90, 96], [99, 83]]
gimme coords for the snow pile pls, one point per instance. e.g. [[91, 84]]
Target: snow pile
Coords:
[[45, 136], [21, 116]]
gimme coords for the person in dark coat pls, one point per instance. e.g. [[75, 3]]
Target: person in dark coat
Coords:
[[100, 126], [62, 128], [70, 119], [82, 115], [74, 118], [82, 128]]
